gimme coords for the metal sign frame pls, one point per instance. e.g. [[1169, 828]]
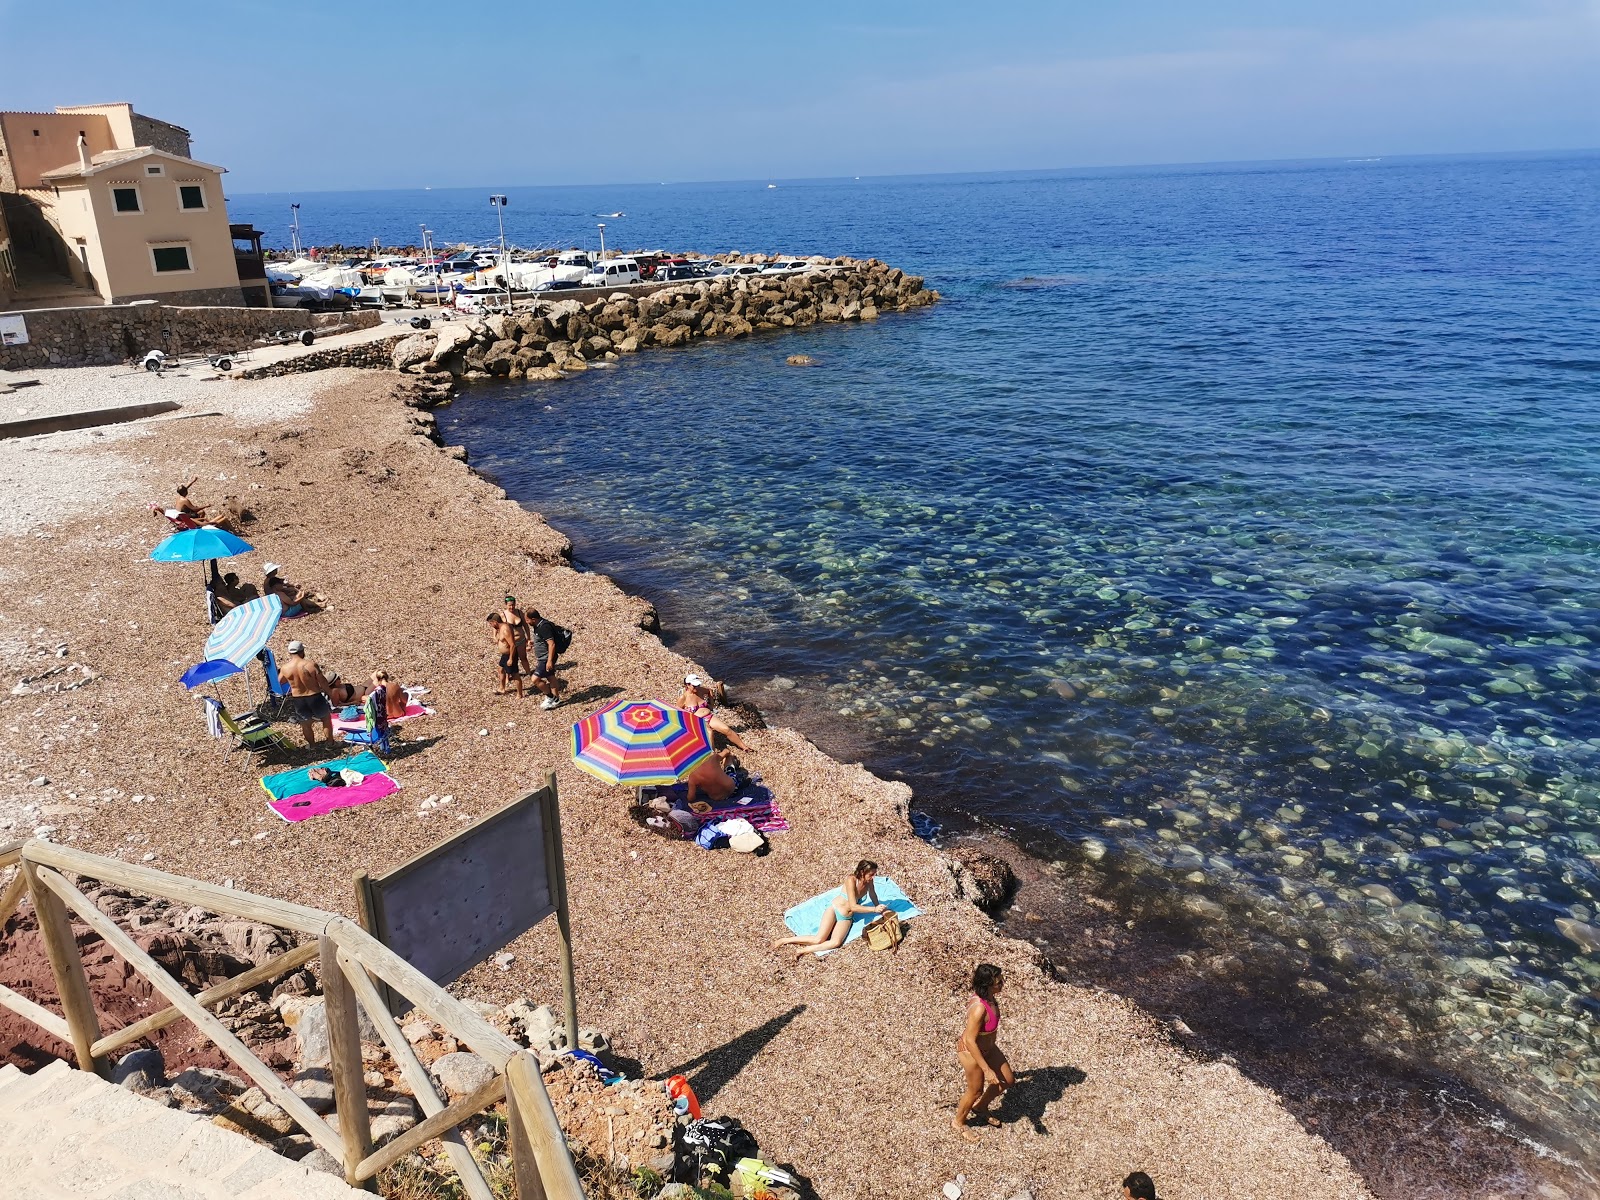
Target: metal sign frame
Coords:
[[449, 908]]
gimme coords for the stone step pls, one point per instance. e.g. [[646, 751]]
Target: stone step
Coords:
[[67, 1133]]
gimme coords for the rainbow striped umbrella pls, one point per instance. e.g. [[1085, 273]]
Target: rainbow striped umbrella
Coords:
[[640, 742], [241, 634]]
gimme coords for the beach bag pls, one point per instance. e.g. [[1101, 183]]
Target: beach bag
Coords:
[[884, 933], [563, 639]]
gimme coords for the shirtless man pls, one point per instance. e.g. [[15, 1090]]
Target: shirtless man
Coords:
[[709, 778], [187, 506], [308, 688], [505, 645]]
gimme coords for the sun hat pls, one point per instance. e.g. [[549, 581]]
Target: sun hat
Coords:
[[746, 843], [694, 681], [271, 569], [297, 647]]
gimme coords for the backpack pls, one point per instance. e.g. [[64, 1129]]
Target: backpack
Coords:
[[563, 639]]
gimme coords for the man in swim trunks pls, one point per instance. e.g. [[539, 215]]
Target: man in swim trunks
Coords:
[[505, 644], [308, 693]]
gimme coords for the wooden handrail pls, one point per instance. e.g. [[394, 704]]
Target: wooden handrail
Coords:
[[352, 960]]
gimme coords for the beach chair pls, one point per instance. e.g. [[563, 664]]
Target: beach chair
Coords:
[[277, 701], [248, 733], [178, 520], [378, 731]]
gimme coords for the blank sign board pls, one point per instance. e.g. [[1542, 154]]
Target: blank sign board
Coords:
[[453, 906]]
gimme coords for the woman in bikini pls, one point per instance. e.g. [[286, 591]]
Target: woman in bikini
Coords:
[[987, 1070], [843, 908], [698, 698]]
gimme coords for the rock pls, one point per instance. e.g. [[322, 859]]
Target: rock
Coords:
[[417, 1031], [869, 312], [413, 351], [140, 1071], [462, 1073], [1377, 891], [449, 339], [986, 880], [205, 1089], [800, 360], [1580, 933], [320, 1160], [307, 1019], [315, 1086]]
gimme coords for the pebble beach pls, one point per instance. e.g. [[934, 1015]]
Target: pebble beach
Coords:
[[844, 1068]]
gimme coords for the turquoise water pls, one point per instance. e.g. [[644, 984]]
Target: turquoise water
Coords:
[[1235, 527]]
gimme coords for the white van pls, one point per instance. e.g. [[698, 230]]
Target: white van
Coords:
[[612, 272]]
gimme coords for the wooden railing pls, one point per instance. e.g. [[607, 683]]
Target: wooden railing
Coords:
[[352, 965]]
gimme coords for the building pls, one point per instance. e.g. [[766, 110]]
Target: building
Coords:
[[106, 206]]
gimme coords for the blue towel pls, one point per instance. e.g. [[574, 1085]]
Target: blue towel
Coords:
[[805, 918]]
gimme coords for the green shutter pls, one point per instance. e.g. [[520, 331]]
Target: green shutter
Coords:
[[171, 258], [193, 195], [127, 199]]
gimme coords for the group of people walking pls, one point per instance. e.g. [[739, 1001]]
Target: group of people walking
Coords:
[[515, 632]]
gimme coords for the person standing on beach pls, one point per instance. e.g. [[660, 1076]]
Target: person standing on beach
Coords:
[[517, 620], [308, 693], [988, 1073], [544, 660], [505, 645]]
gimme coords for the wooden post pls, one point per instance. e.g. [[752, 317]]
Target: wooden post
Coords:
[[558, 1177], [344, 1044], [524, 1169], [556, 866], [66, 964]]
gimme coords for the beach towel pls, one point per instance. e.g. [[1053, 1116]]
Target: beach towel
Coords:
[[358, 724], [293, 783], [322, 800], [754, 802], [805, 918]]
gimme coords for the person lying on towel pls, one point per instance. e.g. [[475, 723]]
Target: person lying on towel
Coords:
[[857, 896]]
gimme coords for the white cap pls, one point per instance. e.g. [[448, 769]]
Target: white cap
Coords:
[[271, 569], [694, 681], [297, 647]]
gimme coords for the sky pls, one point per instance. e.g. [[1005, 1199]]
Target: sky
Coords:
[[357, 94]]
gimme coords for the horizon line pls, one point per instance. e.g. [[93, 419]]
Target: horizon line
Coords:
[[996, 171]]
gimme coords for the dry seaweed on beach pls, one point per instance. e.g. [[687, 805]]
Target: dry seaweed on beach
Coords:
[[828, 1062]]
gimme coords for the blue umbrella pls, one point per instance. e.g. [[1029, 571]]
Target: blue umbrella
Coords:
[[209, 671], [242, 634], [199, 545]]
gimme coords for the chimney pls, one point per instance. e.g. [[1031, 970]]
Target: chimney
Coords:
[[83, 152]]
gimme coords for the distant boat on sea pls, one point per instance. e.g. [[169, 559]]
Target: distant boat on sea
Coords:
[[772, 187]]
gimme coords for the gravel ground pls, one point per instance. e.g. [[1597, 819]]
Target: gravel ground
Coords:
[[844, 1067]]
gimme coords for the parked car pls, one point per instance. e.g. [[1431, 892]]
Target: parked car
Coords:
[[556, 285], [707, 269], [612, 272], [741, 269], [675, 273], [786, 266]]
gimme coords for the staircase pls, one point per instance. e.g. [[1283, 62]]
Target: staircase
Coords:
[[67, 1133]]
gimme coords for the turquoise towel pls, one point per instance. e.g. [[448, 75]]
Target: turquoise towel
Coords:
[[293, 783], [805, 918]]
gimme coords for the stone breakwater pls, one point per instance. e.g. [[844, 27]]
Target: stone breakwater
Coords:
[[549, 342]]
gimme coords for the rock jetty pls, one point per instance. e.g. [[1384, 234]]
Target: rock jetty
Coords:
[[552, 340]]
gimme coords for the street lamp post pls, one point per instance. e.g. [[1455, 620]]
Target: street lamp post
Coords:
[[294, 230], [602, 240], [499, 203]]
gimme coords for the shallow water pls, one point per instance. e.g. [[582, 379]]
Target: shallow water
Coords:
[[1236, 527]]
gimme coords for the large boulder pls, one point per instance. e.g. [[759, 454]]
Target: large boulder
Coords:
[[985, 880], [461, 1073], [450, 338], [413, 351], [670, 335], [497, 359], [558, 314]]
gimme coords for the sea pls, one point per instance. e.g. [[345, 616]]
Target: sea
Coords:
[[1227, 539]]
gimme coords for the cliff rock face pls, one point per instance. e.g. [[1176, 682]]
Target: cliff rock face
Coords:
[[569, 335]]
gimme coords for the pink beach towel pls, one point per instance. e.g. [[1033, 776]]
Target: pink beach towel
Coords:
[[321, 800], [359, 724]]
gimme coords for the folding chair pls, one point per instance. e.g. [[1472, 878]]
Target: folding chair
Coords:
[[249, 733], [277, 701], [378, 731]]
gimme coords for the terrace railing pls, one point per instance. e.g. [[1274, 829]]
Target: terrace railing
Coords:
[[352, 964]]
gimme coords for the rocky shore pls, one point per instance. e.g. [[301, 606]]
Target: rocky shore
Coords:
[[843, 1068]]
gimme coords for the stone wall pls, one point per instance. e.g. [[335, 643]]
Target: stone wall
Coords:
[[107, 334], [374, 355], [223, 297]]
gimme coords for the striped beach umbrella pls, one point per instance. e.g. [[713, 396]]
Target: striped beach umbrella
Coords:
[[242, 634], [640, 742]]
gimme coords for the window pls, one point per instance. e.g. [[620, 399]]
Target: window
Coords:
[[126, 199], [156, 170], [170, 258], [191, 195]]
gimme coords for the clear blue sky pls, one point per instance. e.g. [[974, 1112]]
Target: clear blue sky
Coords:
[[291, 94]]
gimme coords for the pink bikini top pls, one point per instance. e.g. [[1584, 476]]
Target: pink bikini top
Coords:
[[991, 1021]]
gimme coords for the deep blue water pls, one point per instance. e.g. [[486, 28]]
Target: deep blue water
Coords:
[[1235, 526]]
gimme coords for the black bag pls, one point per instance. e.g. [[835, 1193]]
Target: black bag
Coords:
[[563, 639], [713, 1146]]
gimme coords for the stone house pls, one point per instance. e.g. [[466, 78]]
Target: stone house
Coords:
[[106, 206]]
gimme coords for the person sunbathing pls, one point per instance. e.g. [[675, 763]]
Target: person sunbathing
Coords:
[[342, 694], [296, 600], [843, 907], [699, 698], [710, 781], [395, 700], [186, 508]]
